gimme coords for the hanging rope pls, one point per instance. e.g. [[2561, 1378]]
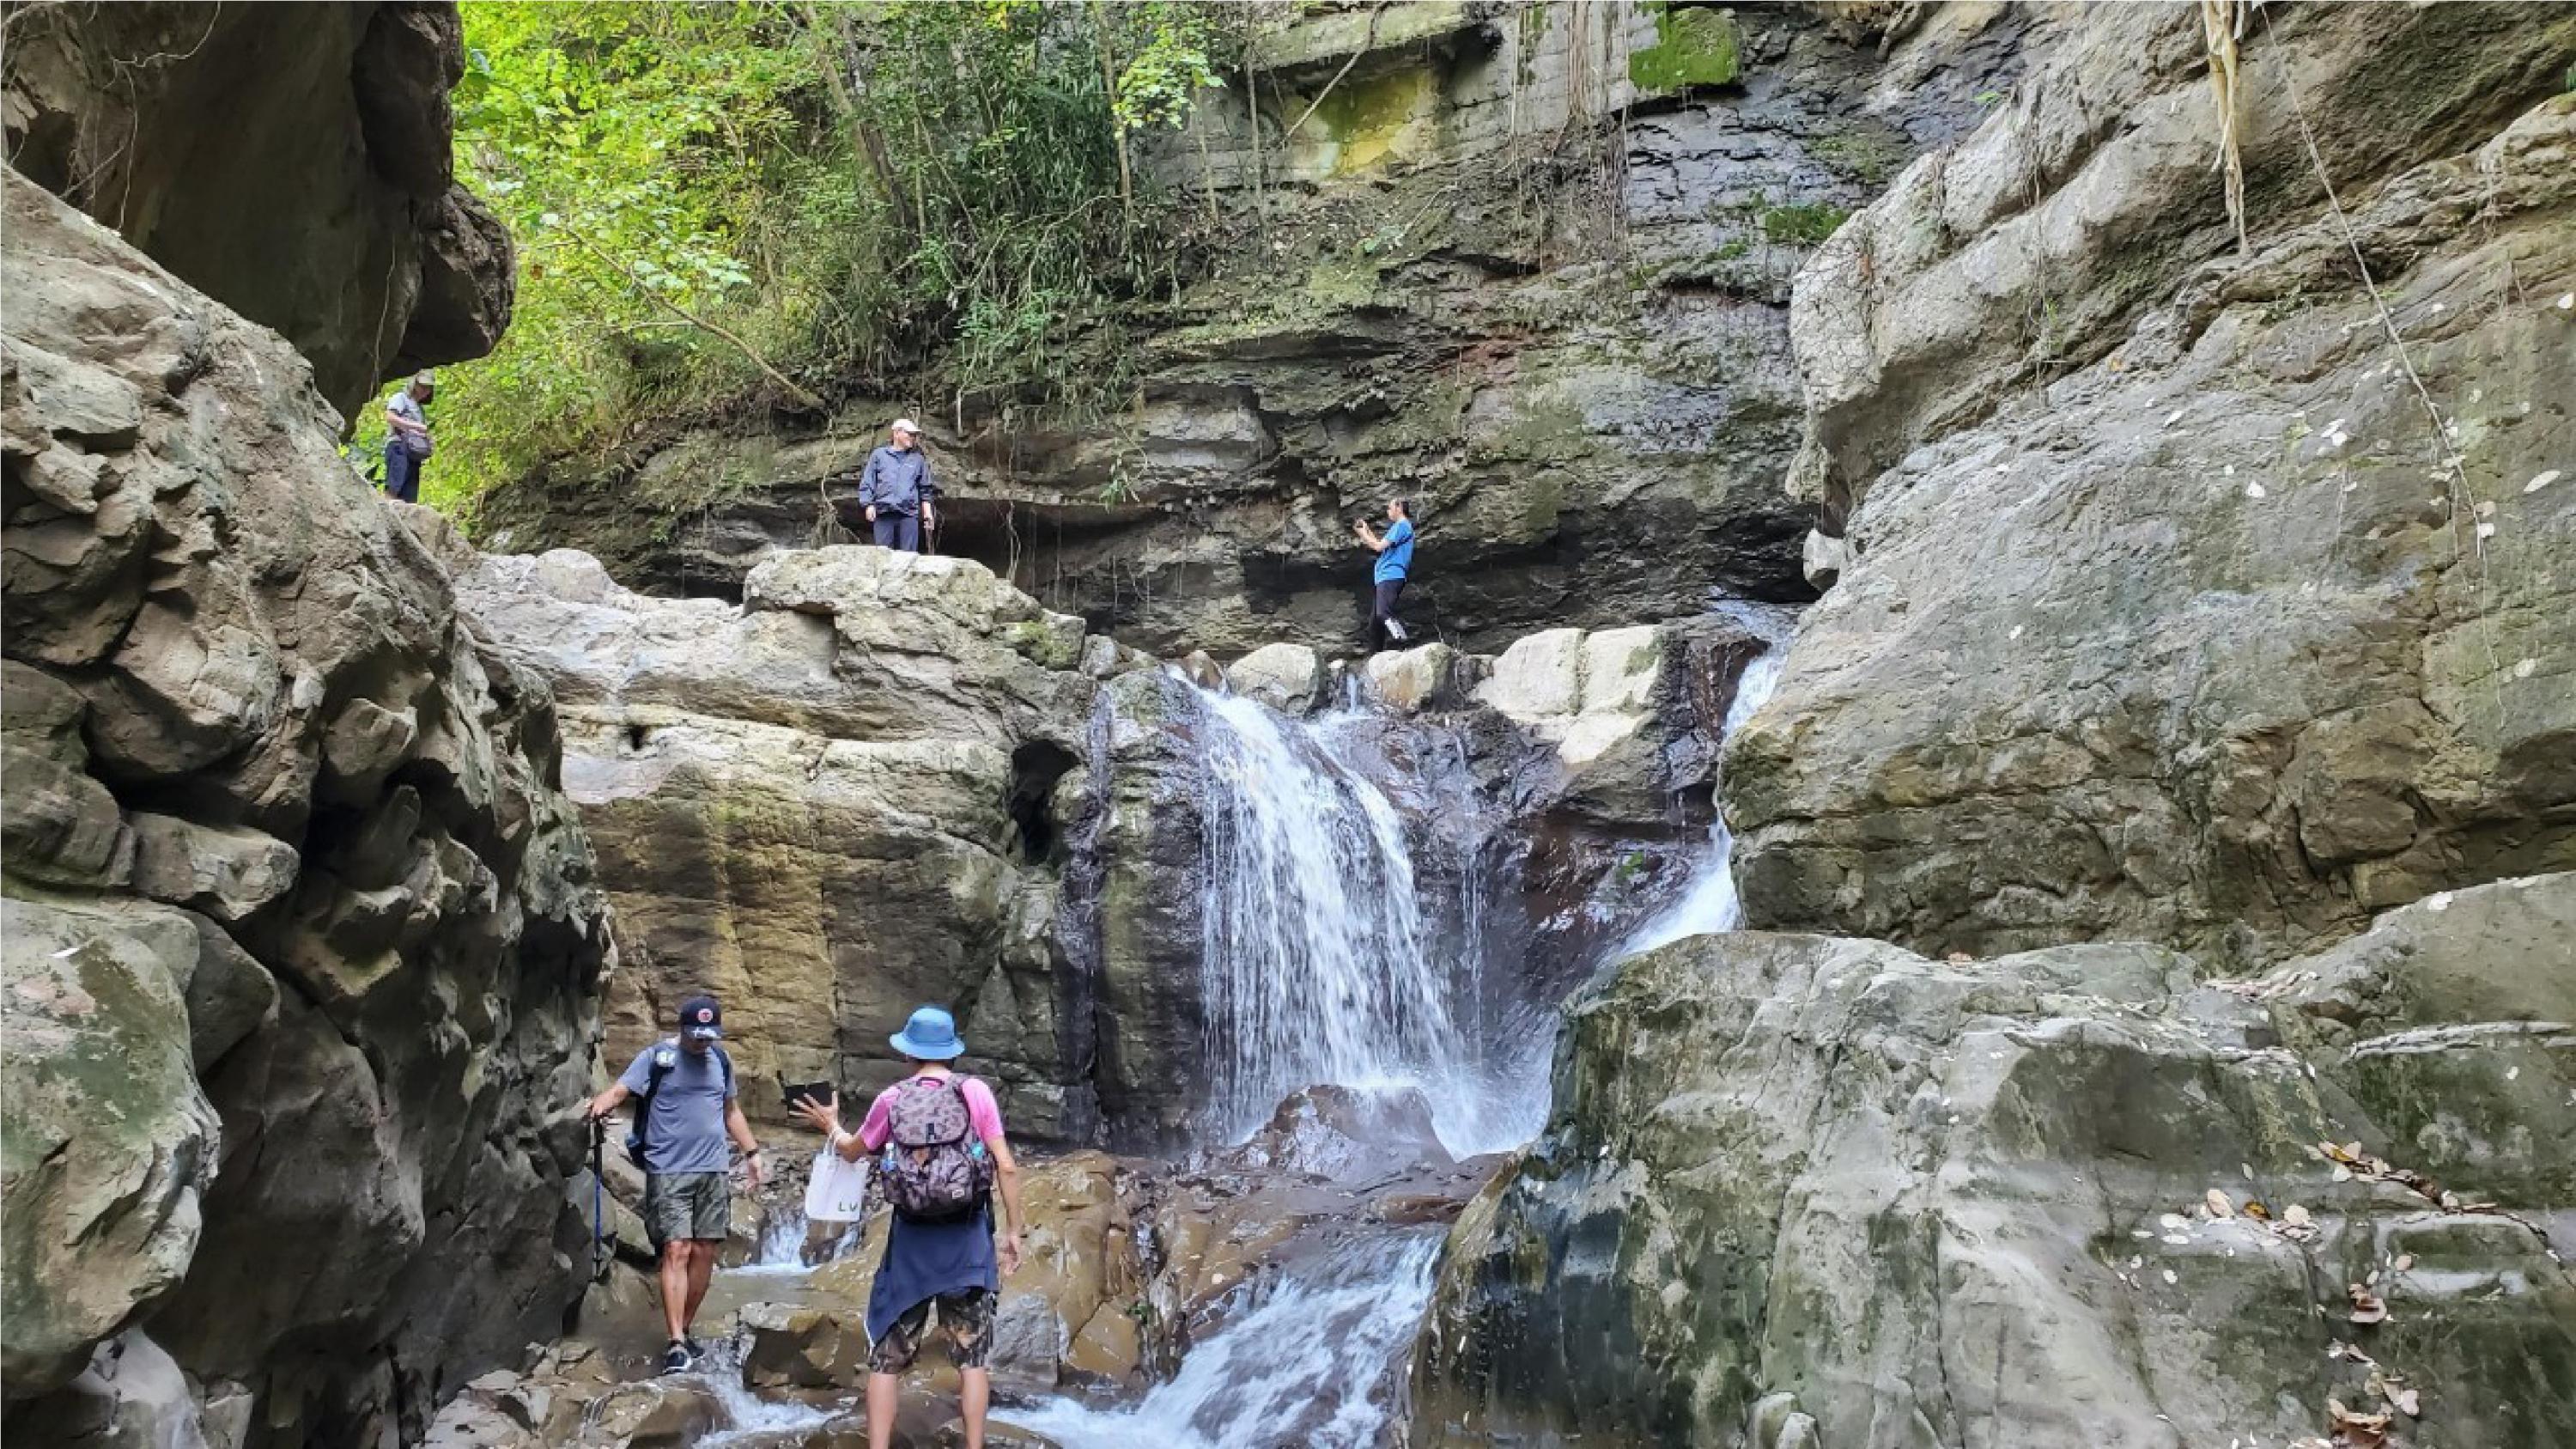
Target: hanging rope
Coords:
[[2454, 471], [2222, 23]]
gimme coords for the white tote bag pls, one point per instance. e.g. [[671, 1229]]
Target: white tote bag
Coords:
[[838, 1190]]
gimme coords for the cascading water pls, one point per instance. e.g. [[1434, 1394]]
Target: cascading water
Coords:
[[1709, 902], [1314, 968], [1306, 1365]]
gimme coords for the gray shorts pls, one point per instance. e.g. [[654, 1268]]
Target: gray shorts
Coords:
[[687, 1205]]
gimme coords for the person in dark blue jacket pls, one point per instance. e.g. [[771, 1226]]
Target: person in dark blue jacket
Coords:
[[896, 491], [1394, 562]]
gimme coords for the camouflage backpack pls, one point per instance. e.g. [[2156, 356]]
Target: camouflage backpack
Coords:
[[933, 1168]]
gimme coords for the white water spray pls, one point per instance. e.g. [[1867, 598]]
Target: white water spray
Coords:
[[1307, 1365], [1313, 968], [1710, 903]]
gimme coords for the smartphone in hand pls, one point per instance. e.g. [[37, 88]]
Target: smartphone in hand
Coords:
[[821, 1094]]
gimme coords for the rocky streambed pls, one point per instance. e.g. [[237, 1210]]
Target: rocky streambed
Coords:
[[1261, 1293]]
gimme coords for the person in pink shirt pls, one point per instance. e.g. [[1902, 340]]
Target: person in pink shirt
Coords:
[[946, 1262]]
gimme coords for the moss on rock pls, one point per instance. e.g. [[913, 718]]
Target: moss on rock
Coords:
[[1693, 47]]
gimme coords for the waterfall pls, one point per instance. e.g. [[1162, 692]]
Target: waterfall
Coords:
[[1709, 902], [1310, 1364], [1314, 968]]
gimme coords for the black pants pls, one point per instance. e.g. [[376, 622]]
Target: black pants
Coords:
[[898, 531], [1383, 609]]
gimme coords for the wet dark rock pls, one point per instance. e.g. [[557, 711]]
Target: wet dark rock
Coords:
[[324, 206], [1565, 338]]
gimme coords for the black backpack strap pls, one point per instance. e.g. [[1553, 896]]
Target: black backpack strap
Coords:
[[656, 1069]]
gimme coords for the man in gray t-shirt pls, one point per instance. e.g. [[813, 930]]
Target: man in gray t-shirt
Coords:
[[689, 1107], [407, 437]]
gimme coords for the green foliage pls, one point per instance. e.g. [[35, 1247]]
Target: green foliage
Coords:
[[1801, 225], [737, 205]]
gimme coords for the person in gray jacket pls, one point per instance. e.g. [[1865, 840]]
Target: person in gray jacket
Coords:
[[896, 490]]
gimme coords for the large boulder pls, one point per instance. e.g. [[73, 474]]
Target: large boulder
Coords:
[[2213, 616], [131, 1395], [237, 684], [827, 806], [2059, 1197], [321, 202], [109, 1143]]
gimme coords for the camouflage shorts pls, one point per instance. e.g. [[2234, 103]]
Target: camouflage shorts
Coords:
[[966, 1318], [687, 1205]]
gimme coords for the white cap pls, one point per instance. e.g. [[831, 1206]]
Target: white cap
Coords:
[[907, 425], [424, 378]]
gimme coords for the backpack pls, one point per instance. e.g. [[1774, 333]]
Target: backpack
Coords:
[[933, 1167], [665, 1057]]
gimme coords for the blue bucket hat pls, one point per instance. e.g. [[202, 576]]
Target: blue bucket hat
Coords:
[[931, 1036]]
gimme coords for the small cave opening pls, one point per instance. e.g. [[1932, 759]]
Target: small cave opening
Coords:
[[638, 736], [1035, 768]]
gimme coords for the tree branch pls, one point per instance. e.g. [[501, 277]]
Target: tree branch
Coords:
[[794, 389]]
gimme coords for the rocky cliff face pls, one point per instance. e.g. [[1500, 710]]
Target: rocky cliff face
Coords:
[[2181, 593], [302, 937], [1804, 1191], [319, 201], [2196, 596], [1526, 265]]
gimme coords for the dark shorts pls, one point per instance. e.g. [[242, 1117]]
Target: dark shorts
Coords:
[[687, 1205], [402, 472], [1382, 607], [901, 531], [966, 1318]]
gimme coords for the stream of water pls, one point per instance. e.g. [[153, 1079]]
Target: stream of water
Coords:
[[1709, 902], [1309, 1364]]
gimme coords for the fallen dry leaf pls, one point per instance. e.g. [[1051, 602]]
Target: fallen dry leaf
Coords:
[[2366, 1306], [2361, 1431], [2404, 1262], [2295, 1215], [2254, 1209], [2219, 1204]]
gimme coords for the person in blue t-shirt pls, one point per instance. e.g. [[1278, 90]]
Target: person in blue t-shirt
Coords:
[[1394, 561]]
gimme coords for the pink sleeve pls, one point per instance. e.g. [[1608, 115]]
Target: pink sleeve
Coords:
[[982, 1112], [877, 1128]]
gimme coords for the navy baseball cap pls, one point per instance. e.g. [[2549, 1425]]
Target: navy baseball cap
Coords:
[[701, 1018]]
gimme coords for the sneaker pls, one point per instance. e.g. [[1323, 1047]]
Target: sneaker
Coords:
[[677, 1358], [1395, 631], [697, 1350]]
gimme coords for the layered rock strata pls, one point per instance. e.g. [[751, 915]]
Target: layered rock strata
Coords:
[[1525, 265]]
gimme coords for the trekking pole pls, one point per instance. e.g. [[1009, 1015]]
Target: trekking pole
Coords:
[[599, 1250]]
